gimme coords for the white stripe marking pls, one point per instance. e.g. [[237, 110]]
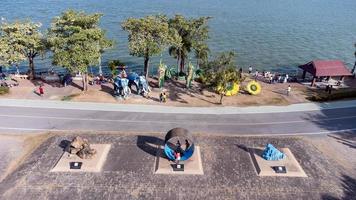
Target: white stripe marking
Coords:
[[185, 122]]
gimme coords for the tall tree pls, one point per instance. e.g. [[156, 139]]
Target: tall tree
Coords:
[[353, 69], [193, 34], [77, 41], [148, 36], [201, 54], [26, 40]]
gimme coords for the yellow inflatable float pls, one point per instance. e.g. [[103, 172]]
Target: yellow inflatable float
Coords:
[[232, 89], [253, 88]]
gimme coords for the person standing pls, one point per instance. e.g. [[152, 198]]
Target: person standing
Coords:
[[256, 75], [177, 157], [330, 88], [249, 69], [187, 144], [288, 90]]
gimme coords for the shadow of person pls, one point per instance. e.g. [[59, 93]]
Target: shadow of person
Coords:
[[36, 92], [151, 145]]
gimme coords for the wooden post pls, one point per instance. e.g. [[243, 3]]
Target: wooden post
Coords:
[[313, 81]]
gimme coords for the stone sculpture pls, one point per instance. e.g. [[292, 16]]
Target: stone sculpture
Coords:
[[271, 153], [81, 147]]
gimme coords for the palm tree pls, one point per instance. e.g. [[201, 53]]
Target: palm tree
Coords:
[[201, 54], [191, 32], [353, 69]]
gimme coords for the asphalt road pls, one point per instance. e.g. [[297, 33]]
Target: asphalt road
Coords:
[[22, 119]]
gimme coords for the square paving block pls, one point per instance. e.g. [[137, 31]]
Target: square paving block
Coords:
[[88, 165], [265, 167], [191, 166]]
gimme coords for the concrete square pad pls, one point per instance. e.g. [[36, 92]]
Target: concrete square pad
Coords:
[[264, 167], [191, 166], [89, 165]]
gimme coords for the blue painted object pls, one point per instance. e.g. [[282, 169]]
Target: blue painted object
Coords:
[[185, 156], [271, 153], [121, 87], [140, 82]]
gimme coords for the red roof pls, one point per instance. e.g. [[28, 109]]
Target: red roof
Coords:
[[326, 68]]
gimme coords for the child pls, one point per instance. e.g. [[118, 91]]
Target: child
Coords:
[[177, 157], [163, 97], [288, 90], [41, 90]]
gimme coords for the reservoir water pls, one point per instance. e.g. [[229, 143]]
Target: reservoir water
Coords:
[[272, 35]]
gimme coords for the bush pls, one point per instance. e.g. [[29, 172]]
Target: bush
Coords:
[[113, 64], [337, 95], [4, 90]]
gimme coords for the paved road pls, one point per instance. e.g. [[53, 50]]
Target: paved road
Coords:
[[23, 119]]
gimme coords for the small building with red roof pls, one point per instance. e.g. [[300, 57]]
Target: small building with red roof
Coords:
[[325, 68]]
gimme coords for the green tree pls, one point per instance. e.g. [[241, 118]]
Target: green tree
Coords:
[[113, 64], [25, 40], [4, 53], [353, 69], [77, 41], [148, 36], [193, 34], [221, 73]]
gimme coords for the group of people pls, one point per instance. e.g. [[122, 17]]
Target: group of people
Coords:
[[269, 77], [6, 81], [179, 152], [328, 88]]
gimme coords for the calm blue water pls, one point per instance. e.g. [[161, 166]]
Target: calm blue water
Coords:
[[273, 34]]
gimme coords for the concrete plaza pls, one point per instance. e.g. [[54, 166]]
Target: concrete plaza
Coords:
[[128, 172]]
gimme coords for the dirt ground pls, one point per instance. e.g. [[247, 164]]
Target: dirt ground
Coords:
[[178, 95]]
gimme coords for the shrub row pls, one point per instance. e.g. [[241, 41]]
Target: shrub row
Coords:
[[333, 96], [4, 90]]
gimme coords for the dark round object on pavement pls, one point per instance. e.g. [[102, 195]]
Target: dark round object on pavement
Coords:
[[179, 140]]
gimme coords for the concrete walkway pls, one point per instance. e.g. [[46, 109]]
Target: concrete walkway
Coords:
[[302, 107]]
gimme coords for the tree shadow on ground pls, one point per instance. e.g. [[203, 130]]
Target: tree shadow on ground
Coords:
[[153, 98], [337, 121], [107, 89], [38, 82], [281, 92], [76, 85], [151, 145], [344, 140], [348, 185]]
